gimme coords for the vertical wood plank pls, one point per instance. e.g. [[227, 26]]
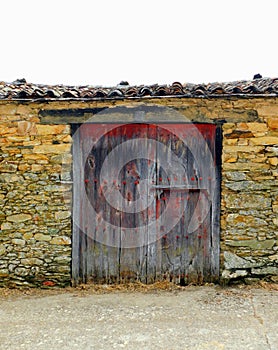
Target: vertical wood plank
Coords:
[[133, 258], [77, 155]]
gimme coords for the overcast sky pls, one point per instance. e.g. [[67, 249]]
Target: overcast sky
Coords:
[[143, 42]]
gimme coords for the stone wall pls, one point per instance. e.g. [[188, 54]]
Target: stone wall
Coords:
[[35, 194], [250, 199], [35, 221]]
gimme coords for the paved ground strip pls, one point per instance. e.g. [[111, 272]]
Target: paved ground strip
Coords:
[[207, 317]]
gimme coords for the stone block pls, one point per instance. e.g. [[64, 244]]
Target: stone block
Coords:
[[24, 167], [232, 261], [257, 127], [21, 271], [7, 167], [265, 140], [270, 270], [251, 280], [6, 226], [237, 220], [18, 241], [252, 244], [273, 257], [52, 129], [36, 168], [18, 139], [236, 175], [273, 123], [42, 237], [28, 235], [273, 161], [244, 201], [26, 128], [35, 157], [227, 274], [53, 149], [273, 150], [61, 215], [61, 240], [251, 185], [243, 149], [4, 273], [3, 250], [17, 218], [32, 262], [5, 130], [268, 110], [61, 159]]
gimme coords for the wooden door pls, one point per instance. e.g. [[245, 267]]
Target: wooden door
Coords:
[[146, 203]]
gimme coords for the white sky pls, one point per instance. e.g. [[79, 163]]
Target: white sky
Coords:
[[144, 42]]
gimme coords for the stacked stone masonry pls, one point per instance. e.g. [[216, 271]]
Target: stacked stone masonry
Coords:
[[36, 189]]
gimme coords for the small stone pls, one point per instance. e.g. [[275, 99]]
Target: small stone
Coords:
[[13, 178], [63, 240], [19, 218], [264, 140], [61, 159], [31, 262], [53, 149], [42, 237], [12, 267], [21, 271], [253, 244], [270, 270], [2, 250], [226, 274], [35, 157], [251, 280], [26, 128], [60, 215], [273, 161], [273, 257], [273, 150], [62, 259], [24, 167], [18, 241], [274, 279], [255, 127], [239, 200], [4, 273], [236, 176], [36, 168], [232, 261], [272, 123], [6, 167], [6, 226], [52, 129], [28, 235]]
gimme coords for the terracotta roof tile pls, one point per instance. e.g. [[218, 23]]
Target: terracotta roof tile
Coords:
[[21, 90]]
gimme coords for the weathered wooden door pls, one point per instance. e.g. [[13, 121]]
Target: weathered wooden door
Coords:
[[146, 203]]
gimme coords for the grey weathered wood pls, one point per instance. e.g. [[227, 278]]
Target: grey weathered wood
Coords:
[[182, 254], [77, 156]]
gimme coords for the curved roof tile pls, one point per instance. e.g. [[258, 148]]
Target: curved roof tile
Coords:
[[21, 90]]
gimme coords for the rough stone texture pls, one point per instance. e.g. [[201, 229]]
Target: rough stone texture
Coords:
[[33, 234], [35, 189]]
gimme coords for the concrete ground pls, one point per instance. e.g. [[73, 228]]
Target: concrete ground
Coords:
[[208, 317]]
